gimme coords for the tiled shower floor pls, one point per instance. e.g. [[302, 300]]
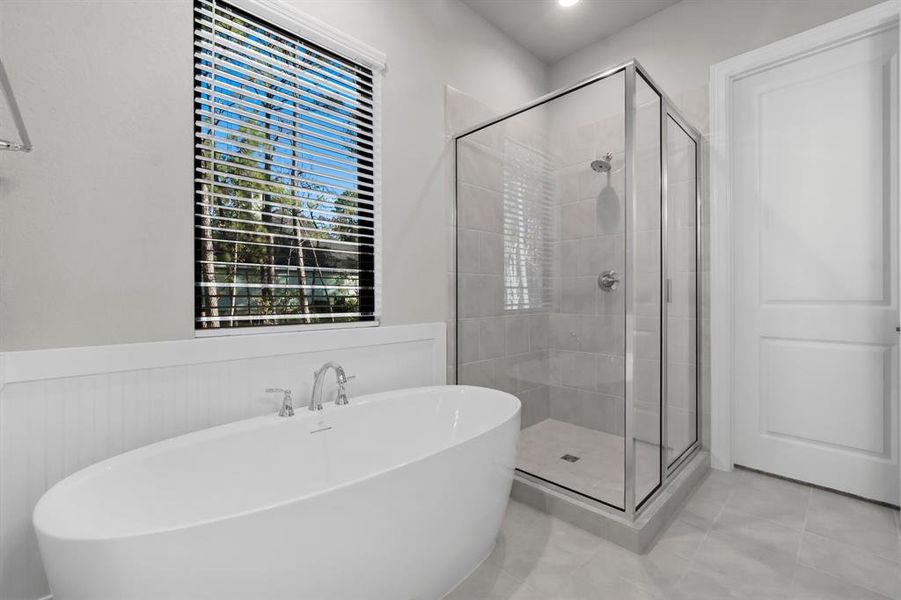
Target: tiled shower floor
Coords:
[[598, 472]]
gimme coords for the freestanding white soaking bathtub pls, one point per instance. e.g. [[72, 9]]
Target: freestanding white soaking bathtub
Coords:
[[396, 496]]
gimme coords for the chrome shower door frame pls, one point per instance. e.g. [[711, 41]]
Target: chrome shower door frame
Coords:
[[632, 506]]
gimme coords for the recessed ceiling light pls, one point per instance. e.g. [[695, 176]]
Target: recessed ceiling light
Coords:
[[567, 3]]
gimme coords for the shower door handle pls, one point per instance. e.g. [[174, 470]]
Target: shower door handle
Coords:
[[608, 281]]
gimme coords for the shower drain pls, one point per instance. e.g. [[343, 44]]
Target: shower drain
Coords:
[[569, 458]]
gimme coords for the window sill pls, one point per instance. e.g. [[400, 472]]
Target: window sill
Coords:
[[270, 329]]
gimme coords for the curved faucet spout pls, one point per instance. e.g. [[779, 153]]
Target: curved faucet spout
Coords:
[[318, 379]]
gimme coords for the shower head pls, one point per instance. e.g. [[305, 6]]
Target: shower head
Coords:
[[602, 165]]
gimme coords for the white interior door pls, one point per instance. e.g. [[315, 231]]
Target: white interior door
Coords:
[[815, 269]]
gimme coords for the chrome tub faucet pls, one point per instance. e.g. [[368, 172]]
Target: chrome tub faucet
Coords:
[[318, 379]]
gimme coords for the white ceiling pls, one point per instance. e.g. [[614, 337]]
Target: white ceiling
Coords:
[[551, 32]]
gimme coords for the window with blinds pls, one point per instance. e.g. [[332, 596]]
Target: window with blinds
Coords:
[[285, 195]]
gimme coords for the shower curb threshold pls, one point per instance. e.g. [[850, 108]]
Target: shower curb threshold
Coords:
[[637, 536]]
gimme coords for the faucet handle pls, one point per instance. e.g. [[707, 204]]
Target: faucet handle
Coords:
[[341, 400], [287, 409]]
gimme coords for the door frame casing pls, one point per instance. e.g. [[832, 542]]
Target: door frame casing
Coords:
[[723, 76]]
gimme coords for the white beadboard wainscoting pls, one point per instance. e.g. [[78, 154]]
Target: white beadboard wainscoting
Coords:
[[63, 409]]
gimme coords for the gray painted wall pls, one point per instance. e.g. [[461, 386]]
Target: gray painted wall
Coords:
[[96, 226], [679, 44]]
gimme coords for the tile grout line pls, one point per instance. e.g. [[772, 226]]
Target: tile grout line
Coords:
[[838, 539], [693, 559], [839, 577], [807, 487], [843, 580], [764, 519], [580, 564], [897, 518], [803, 534]]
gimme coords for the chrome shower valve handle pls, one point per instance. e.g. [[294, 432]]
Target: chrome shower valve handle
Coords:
[[609, 280]]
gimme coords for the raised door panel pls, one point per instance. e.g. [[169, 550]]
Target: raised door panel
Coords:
[[815, 267]]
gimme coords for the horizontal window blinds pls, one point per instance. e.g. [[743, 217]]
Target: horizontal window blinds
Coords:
[[285, 206], [528, 194]]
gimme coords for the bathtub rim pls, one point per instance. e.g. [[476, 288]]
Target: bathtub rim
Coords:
[[252, 424]]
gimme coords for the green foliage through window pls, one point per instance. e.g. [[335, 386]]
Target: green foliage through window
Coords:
[[284, 177]]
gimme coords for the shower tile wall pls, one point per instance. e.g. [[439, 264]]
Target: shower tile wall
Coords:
[[565, 360], [586, 329], [586, 345], [499, 347], [461, 111]]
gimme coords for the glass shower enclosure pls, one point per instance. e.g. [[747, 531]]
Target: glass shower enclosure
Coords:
[[576, 261]]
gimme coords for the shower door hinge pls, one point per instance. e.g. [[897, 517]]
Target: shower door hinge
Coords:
[[669, 290]]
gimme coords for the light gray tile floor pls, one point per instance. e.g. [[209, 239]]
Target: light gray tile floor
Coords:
[[741, 535], [599, 470]]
